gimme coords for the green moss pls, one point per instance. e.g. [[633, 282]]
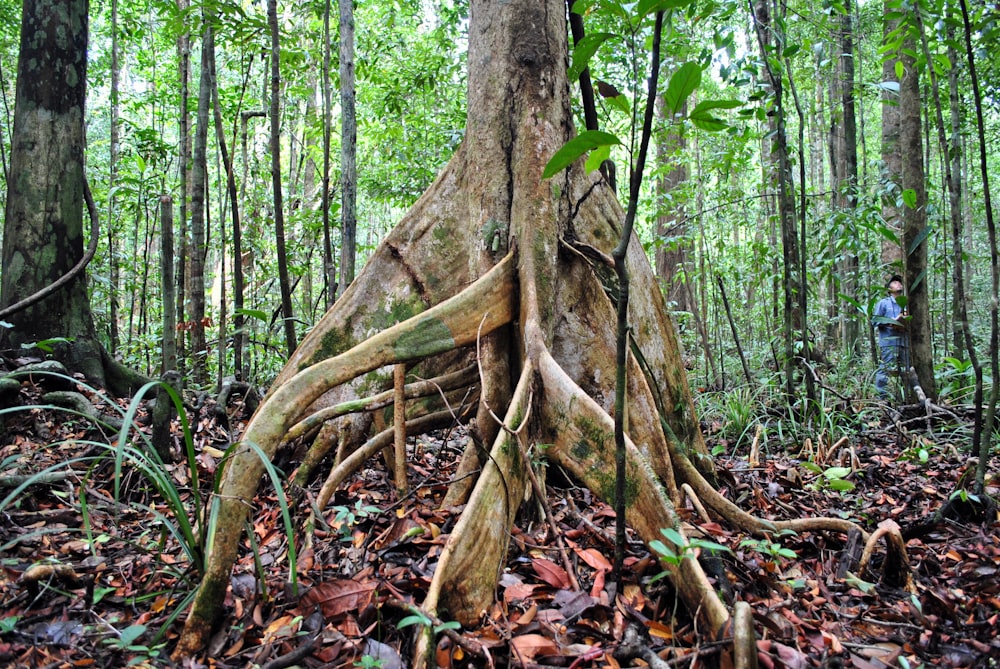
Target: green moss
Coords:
[[441, 233], [375, 382], [334, 342], [428, 337], [606, 486], [397, 312], [592, 438]]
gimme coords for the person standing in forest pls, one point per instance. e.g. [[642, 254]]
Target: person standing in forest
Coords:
[[889, 320]]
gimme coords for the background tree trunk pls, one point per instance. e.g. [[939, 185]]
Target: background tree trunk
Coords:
[[113, 151], [671, 226], [915, 232], [348, 149], [846, 182], [279, 211], [892, 252], [199, 202], [780, 177], [329, 266]]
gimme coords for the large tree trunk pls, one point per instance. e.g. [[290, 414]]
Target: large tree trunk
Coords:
[[493, 255], [43, 241]]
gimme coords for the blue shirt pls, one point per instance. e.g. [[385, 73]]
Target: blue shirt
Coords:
[[888, 308]]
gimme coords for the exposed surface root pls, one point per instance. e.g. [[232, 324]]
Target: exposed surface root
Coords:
[[896, 570]]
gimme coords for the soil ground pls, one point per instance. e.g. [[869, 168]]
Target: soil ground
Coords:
[[91, 581]]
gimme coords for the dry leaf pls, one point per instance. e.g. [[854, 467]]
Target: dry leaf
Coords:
[[550, 572], [335, 598], [529, 646]]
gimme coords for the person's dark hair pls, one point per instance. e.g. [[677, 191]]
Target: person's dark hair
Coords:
[[894, 277]]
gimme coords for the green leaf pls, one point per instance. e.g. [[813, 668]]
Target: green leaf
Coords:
[[647, 7], [900, 70], [837, 472], [682, 84], [130, 634], [917, 241], [415, 619], [841, 485], [708, 122], [450, 625], [596, 157], [253, 313], [584, 51], [707, 105], [620, 102], [910, 198], [576, 147]]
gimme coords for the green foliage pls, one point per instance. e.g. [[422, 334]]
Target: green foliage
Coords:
[[127, 640], [830, 478], [772, 550], [956, 381], [576, 147], [369, 662], [346, 517], [418, 617], [680, 548]]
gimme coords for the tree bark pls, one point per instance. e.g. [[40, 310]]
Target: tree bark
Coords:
[[915, 231], [493, 253], [846, 183], [199, 201], [329, 266], [780, 177], [671, 228], [43, 223], [892, 252], [348, 148], [279, 207]]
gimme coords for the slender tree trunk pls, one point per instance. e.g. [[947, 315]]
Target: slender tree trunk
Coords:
[[329, 266], [163, 410], [955, 149], [780, 177], [985, 445], [671, 229], [847, 188], [113, 150], [915, 220], [803, 293], [234, 203], [184, 160], [892, 252], [199, 202], [240, 336], [279, 214], [348, 148]]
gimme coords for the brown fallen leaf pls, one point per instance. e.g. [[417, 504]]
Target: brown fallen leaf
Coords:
[[551, 573], [335, 598], [529, 646]]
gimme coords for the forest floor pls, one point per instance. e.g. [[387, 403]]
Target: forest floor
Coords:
[[88, 581]]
